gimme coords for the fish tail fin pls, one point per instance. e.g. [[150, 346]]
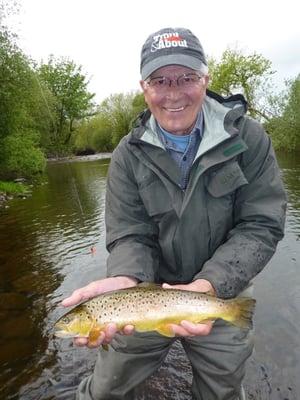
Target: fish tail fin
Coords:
[[242, 312]]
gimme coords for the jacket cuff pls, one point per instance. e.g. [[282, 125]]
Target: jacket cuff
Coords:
[[224, 288]]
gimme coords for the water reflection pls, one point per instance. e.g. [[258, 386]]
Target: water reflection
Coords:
[[290, 165], [46, 245], [53, 242]]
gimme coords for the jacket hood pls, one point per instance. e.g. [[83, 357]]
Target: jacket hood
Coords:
[[230, 109]]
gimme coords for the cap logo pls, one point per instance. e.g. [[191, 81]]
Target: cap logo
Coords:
[[166, 40]]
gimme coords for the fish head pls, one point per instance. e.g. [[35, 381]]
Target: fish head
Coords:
[[75, 323]]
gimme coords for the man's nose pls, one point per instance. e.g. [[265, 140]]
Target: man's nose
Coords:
[[173, 91], [171, 82]]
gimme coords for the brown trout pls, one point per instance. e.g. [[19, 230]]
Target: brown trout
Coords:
[[151, 308]]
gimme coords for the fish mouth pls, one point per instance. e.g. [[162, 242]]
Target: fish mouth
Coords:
[[64, 334]]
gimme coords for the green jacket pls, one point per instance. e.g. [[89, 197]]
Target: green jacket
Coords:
[[223, 228]]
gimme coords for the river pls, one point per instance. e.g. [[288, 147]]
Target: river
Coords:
[[54, 241]]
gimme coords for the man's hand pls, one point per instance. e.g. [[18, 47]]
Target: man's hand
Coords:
[[187, 328], [94, 289]]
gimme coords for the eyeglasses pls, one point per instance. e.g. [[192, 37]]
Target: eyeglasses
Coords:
[[184, 81]]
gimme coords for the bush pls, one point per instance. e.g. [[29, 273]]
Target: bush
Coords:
[[21, 156], [95, 134], [285, 128], [115, 116]]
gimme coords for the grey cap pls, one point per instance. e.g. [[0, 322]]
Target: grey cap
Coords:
[[170, 46]]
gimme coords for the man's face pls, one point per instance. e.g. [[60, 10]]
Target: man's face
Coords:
[[176, 104]]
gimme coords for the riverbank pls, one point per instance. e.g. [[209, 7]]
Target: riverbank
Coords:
[[18, 188], [9, 190], [73, 158]]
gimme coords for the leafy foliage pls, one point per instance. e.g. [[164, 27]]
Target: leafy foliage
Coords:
[[114, 120], [118, 111], [21, 109], [21, 155], [237, 72], [285, 127], [94, 135], [13, 188], [68, 85]]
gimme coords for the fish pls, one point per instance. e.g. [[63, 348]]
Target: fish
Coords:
[[151, 308]]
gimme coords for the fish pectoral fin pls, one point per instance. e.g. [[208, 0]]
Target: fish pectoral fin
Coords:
[[94, 333], [165, 330]]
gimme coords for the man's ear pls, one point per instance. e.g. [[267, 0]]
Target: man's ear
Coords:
[[206, 80], [143, 85]]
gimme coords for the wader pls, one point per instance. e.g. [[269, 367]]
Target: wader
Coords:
[[217, 360]]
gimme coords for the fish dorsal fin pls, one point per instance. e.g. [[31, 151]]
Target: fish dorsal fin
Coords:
[[210, 293], [149, 285]]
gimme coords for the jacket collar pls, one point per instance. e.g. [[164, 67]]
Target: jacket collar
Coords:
[[209, 153], [220, 118]]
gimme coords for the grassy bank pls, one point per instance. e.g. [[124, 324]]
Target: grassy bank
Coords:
[[12, 188]]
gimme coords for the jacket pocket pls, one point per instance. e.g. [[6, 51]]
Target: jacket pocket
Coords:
[[226, 180], [221, 186], [156, 198]]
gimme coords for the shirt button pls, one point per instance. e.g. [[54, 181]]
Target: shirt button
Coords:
[[184, 158]]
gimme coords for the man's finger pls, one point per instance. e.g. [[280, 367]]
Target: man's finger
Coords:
[[128, 330], [167, 286], [110, 332], [81, 341], [76, 297], [178, 330], [196, 329]]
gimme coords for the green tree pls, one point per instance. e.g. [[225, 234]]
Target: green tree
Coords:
[[285, 126], [116, 110], [138, 104], [237, 72], [114, 120], [7, 8], [68, 84], [94, 135], [22, 155], [121, 110], [20, 109]]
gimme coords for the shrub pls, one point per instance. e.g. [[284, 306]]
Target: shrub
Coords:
[[21, 156]]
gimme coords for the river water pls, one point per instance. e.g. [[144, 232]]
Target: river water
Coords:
[[53, 242]]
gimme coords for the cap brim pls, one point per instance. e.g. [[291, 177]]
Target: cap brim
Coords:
[[171, 59]]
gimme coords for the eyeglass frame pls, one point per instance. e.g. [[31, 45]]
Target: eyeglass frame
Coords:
[[169, 81]]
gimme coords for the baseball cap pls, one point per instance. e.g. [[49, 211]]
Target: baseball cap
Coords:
[[171, 46]]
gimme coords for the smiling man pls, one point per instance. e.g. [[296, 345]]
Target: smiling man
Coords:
[[175, 96], [194, 201]]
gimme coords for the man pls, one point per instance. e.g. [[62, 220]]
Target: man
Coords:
[[194, 201]]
